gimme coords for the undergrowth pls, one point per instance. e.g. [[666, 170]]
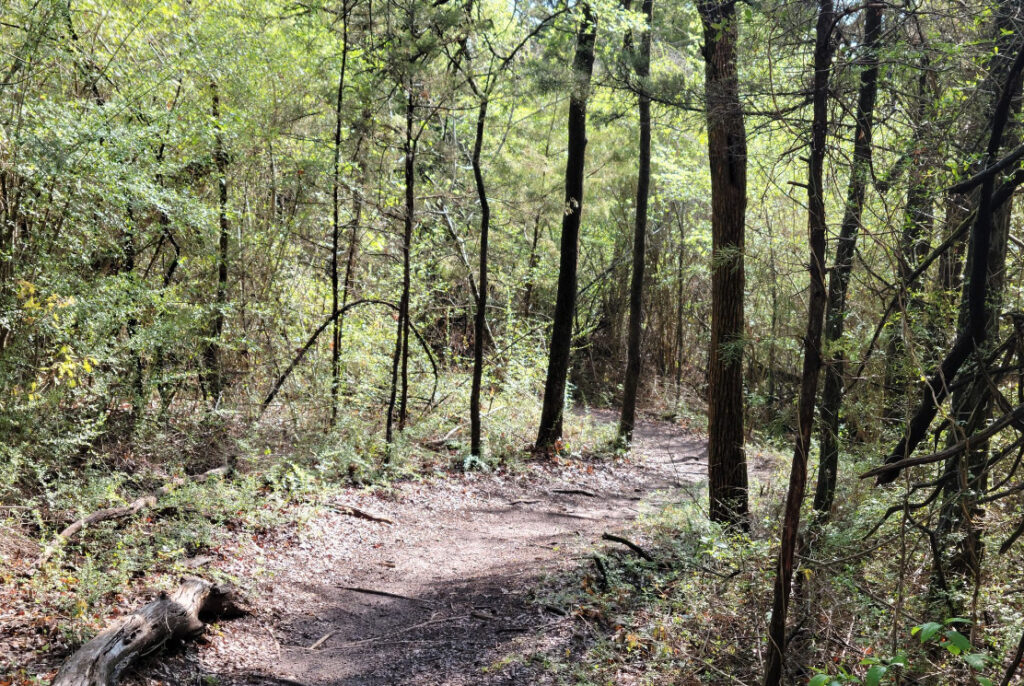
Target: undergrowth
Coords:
[[862, 613]]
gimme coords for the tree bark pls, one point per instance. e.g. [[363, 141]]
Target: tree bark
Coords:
[[565, 302], [817, 230], [727, 152], [839, 279], [631, 381]]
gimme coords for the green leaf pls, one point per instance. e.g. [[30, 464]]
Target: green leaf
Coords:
[[957, 642], [985, 681], [927, 630], [976, 660], [818, 680], [874, 676]]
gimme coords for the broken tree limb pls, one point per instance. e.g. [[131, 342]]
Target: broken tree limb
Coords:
[[170, 616], [134, 507], [323, 327], [629, 544]]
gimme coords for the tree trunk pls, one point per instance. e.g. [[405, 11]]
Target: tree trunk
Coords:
[[214, 355], [839, 279], [643, 185], [480, 328], [727, 152], [817, 229], [565, 301], [336, 220], [400, 361], [913, 248]]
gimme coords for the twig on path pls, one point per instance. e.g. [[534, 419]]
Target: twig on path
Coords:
[[386, 594], [525, 501], [277, 643], [629, 544], [361, 514], [320, 641], [571, 515], [406, 630], [574, 491]]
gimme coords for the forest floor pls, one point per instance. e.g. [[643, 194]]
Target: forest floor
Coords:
[[460, 586]]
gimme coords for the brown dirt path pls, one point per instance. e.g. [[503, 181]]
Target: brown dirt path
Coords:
[[459, 562]]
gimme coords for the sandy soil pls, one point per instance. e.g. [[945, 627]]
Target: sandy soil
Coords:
[[441, 596]]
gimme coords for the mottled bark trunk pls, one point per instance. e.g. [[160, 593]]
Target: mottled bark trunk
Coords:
[[336, 221], [727, 152], [913, 248]]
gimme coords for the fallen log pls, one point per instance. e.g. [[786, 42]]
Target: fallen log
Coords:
[[173, 616], [134, 507]]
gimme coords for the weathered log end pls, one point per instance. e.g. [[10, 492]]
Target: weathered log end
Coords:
[[178, 615]]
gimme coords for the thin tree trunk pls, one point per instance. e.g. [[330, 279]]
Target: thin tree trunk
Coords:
[[532, 262], [679, 307], [727, 152], [336, 223], [917, 228], [812, 345], [643, 185], [138, 401], [839, 279], [401, 357], [481, 300], [565, 301], [213, 356]]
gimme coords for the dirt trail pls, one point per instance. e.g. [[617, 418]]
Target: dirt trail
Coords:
[[459, 562]]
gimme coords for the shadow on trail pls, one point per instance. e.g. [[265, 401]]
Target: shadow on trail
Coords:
[[461, 633]]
